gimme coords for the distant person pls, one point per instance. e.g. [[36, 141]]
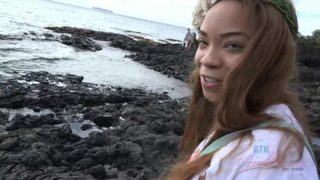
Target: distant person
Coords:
[[245, 120], [194, 40], [187, 42]]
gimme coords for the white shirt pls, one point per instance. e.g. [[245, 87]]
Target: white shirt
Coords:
[[257, 160]]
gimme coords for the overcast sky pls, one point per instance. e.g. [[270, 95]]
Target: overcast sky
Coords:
[[178, 12]]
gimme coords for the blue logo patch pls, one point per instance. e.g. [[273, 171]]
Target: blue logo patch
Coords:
[[261, 149]]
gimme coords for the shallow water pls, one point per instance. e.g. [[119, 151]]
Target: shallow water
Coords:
[[108, 67], [24, 112], [76, 128]]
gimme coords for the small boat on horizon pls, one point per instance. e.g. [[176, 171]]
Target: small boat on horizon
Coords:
[[102, 10]]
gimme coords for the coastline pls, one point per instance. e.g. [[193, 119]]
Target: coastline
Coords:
[[135, 134]]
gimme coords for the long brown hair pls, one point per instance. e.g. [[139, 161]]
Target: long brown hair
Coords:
[[259, 81]]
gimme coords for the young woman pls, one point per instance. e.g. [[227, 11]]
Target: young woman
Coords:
[[245, 122]]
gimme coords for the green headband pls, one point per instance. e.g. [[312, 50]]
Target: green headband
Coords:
[[285, 6]]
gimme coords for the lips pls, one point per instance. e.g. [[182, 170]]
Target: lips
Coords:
[[210, 82]]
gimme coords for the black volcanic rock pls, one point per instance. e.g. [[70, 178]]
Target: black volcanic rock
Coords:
[[169, 59], [80, 42], [44, 146], [134, 134], [104, 120]]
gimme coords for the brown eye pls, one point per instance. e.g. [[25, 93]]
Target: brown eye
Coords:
[[233, 46], [201, 43]]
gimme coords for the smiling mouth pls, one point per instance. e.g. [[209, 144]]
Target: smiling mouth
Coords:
[[210, 82]]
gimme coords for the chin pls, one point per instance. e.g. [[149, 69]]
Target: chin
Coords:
[[211, 97]]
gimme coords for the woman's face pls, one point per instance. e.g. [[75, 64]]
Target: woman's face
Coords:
[[224, 35]]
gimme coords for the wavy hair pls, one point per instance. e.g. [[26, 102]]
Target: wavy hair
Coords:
[[262, 79]]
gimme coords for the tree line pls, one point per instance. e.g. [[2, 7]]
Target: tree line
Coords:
[[309, 44]]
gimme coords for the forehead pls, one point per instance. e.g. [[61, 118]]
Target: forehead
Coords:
[[228, 15]]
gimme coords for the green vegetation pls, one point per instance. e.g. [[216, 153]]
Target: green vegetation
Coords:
[[309, 45], [314, 39]]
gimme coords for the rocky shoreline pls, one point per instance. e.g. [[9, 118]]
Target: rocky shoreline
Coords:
[[169, 59], [134, 134], [58, 127]]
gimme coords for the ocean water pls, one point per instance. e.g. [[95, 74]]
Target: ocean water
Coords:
[[19, 18]]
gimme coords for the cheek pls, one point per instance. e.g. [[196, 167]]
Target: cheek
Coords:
[[233, 62], [233, 65]]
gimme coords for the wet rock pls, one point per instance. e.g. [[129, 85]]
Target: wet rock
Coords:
[[80, 42], [75, 155], [101, 139], [37, 109], [73, 78], [33, 33], [9, 144], [66, 130], [20, 121], [169, 59], [86, 127], [119, 152], [84, 164], [36, 160], [16, 122], [104, 120], [48, 35], [3, 37], [3, 118], [98, 172], [111, 172]]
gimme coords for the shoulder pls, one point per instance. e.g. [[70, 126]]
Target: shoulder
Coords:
[[258, 154], [284, 113], [258, 158], [269, 146], [200, 148]]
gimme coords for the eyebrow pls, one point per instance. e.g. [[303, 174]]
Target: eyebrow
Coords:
[[234, 33], [202, 33], [227, 34]]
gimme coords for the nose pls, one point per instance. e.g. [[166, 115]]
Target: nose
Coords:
[[210, 58]]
